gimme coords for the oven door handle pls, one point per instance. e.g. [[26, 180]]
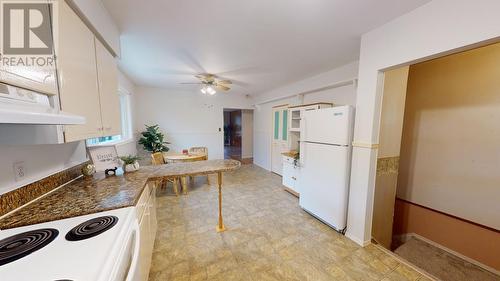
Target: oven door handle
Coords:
[[134, 264]]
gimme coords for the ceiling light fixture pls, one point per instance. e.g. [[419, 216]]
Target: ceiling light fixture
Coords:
[[211, 91], [208, 90]]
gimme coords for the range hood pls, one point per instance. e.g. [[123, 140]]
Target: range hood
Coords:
[[21, 106], [13, 116]]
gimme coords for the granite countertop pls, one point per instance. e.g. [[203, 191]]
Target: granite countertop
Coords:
[[87, 195]]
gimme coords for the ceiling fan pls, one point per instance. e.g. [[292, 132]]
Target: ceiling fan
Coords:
[[211, 82]]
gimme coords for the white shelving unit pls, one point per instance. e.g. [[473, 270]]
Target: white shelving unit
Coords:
[[295, 114], [291, 172]]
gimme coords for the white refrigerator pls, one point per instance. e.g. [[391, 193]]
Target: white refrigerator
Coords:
[[326, 145]]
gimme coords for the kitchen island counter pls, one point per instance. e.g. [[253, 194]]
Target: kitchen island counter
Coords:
[[88, 195]]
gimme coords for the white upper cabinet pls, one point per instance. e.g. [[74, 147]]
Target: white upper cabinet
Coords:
[[107, 75], [77, 69], [88, 78]]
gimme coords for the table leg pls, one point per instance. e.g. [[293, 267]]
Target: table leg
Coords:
[[184, 185], [220, 227], [174, 185]]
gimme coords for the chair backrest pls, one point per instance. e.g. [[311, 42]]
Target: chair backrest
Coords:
[[157, 158], [199, 150]]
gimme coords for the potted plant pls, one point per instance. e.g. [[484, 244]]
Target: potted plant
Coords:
[[153, 139], [130, 163]]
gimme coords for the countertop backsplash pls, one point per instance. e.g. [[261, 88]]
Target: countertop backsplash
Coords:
[[39, 161]]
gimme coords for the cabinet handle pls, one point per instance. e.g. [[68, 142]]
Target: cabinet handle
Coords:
[[294, 178]]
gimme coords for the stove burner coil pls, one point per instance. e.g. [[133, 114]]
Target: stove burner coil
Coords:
[[20, 245], [91, 228]]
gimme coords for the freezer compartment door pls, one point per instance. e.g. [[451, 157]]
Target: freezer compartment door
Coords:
[[324, 182], [328, 125]]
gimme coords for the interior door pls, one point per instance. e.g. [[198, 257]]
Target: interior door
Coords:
[[280, 138]]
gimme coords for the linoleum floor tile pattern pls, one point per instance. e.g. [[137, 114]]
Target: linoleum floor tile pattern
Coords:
[[268, 237]]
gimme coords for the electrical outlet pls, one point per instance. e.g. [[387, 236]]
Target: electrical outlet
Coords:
[[19, 170]]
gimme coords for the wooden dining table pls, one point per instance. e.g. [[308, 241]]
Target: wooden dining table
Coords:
[[180, 158]]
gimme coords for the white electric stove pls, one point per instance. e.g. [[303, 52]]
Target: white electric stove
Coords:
[[96, 247]]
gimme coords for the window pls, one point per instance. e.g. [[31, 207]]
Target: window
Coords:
[[276, 125], [126, 123]]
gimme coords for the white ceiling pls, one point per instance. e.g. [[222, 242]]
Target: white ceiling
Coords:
[[262, 44]]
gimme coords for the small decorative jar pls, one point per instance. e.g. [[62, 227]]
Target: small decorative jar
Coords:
[[88, 170], [132, 167]]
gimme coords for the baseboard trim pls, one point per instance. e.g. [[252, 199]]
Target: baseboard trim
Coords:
[[407, 236], [289, 190], [357, 240]]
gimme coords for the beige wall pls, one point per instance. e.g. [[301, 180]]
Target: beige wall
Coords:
[[393, 107], [450, 154]]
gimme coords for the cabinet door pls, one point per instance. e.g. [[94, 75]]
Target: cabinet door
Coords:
[[289, 176], [144, 249], [76, 62], [107, 75], [152, 211]]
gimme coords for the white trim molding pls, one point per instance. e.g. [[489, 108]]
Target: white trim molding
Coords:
[[365, 145], [352, 81], [358, 241]]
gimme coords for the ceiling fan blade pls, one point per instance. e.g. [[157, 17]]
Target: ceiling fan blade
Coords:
[[190, 60], [206, 78], [224, 82], [222, 87]]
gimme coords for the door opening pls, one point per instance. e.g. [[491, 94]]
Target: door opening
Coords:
[[238, 135]]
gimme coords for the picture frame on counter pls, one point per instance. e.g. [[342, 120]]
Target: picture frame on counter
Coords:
[[105, 158]]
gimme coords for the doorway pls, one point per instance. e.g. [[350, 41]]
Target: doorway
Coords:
[[238, 135], [435, 200]]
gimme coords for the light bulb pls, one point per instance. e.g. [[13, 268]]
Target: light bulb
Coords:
[[204, 90], [211, 91]]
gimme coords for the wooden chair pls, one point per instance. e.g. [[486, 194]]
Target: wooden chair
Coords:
[[200, 150], [157, 159]]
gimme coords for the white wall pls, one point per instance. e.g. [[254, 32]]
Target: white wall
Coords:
[[246, 133], [188, 117], [40, 161], [263, 112], [437, 28]]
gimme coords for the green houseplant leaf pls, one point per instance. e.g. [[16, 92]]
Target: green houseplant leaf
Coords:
[[153, 139], [129, 159]]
